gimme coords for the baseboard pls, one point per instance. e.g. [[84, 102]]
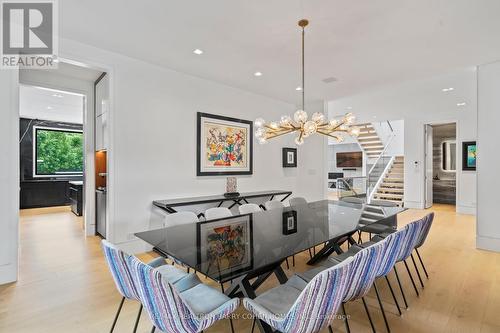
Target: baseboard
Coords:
[[488, 243], [414, 204], [8, 274], [466, 210]]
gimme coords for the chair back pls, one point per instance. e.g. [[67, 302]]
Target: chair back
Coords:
[[217, 213], [393, 244], [363, 271], [273, 204], [166, 309], [180, 218], [118, 264], [353, 200], [249, 208], [426, 227], [410, 239], [297, 201], [318, 303]]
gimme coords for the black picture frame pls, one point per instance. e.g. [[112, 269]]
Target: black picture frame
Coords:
[[199, 171], [286, 157], [289, 222], [202, 267], [466, 166]]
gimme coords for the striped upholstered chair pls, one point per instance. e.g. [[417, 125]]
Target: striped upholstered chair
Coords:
[[120, 270], [426, 227], [301, 307], [188, 306], [366, 262]]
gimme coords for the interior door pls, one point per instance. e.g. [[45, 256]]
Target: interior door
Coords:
[[428, 166]]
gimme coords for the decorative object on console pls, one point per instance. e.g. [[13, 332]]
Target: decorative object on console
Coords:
[[224, 146], [318, 123], [469, 156], [231, 187], [289, 157], [289, 222]]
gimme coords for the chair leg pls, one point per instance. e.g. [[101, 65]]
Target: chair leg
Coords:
[[422, 263], [293, 260], [287, 264], [222, 287], [416, 269], [117, 314], [330, 329], [369, 316], [401, 287], [393, 295], [253, 324], [231, 323], [381, 307], [153, 329], [411, 278], [310, 254], [137, 320], [346, 322]]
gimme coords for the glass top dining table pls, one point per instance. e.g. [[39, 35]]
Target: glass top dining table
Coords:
[[253, 244]]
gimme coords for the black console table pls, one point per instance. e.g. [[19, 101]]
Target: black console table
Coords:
[[169, 204]]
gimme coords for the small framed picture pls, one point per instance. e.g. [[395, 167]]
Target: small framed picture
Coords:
[[469, 156], [289, 157], [289, 222]]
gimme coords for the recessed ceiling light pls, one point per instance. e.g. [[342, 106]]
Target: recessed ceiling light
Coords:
[[57, 95], [198, 51], [461, 104], [49, 107], [329, 79], [348, 108], [298, 88], [447, 89], [257, 74]]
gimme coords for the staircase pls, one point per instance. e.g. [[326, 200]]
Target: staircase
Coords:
[[369, 140], [392, 186]]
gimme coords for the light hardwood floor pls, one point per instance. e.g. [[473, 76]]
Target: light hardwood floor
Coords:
[[65, 286]]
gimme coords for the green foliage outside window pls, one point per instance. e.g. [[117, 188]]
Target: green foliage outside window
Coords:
[[58, 152]]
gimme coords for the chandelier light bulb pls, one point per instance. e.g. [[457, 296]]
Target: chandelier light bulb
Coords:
[[300, 116], [318, 117], [354, 131], [310, 127], [349, 118], [260, 132], [274, 125], [333, 123], [299, 141], [262, 141], [285, 120], [259, 122]]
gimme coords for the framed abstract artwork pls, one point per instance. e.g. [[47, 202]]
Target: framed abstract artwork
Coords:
[[224, 146], [289, 157], [225, 245], [469, 156]]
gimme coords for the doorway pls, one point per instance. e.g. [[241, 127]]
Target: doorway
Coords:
[[440, 164]]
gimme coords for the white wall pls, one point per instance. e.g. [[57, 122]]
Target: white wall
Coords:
[[9, 175], [418, 103], [54, 80], [153, 140], [488, 181]]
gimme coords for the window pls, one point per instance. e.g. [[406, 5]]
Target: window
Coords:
[[57, 152]]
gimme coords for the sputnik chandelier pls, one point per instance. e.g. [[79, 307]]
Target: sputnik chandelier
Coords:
[[334, 128]]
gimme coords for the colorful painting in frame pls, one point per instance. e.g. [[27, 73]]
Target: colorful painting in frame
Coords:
[[225, 245], [469, 155], [225, 146]]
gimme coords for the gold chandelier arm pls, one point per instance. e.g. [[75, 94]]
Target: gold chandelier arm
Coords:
[[275, 134], [330, 135]]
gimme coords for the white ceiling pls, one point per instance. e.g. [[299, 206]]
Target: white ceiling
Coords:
[[48, 104], [363, 44]]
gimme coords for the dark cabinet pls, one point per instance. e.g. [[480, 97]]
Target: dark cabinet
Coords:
[[76, 197]]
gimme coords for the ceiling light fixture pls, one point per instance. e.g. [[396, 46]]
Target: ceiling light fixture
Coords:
[[461, 104], [257, 74], [298, 88], [49, 108], [198, 51], [348, 108], [57, 95], [447, 89], [334, 128]]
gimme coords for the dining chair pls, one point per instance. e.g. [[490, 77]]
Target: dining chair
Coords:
[[118, 264], [180, 218], [273, 204], [362, 276], [426, 227], [301, 307], [297, 201], [189, 309], [217, 213], [249, 208]]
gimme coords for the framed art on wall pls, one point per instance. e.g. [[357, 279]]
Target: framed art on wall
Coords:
[[289, 157], [469, 156], [224, 146]]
